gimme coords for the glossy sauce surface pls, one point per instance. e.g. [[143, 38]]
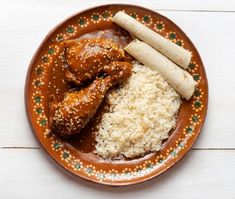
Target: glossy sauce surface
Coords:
[[58, 86]]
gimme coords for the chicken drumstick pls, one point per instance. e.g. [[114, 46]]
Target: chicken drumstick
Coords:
[[68, 117]]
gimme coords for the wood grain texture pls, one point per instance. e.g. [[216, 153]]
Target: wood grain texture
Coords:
[[202, 174], [179, 5]]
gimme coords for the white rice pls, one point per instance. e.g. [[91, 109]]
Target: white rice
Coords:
[[142, 113]]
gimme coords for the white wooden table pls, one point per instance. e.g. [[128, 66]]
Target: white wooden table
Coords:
[[208, 171]]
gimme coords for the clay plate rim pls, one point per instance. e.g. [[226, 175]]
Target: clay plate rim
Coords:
[[71, 172]]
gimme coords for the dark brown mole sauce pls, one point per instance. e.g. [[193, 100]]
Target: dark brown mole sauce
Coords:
[[84, 142]]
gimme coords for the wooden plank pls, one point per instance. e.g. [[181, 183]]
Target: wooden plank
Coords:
[[25, 27], [186, 5], [202, 174]]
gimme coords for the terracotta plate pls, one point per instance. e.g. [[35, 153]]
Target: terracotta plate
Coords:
[[76, 155]]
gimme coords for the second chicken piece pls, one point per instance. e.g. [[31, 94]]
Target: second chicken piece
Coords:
[[87, 58]]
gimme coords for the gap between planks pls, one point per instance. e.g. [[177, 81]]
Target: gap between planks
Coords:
[[193, 149]]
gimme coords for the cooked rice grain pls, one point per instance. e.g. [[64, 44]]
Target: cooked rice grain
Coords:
[[142, 113]]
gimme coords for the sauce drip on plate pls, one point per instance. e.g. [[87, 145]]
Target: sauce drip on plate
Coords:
[[58, 86]]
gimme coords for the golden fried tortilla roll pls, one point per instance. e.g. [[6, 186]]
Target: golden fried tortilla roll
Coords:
[[177, 77], [171, 50]]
